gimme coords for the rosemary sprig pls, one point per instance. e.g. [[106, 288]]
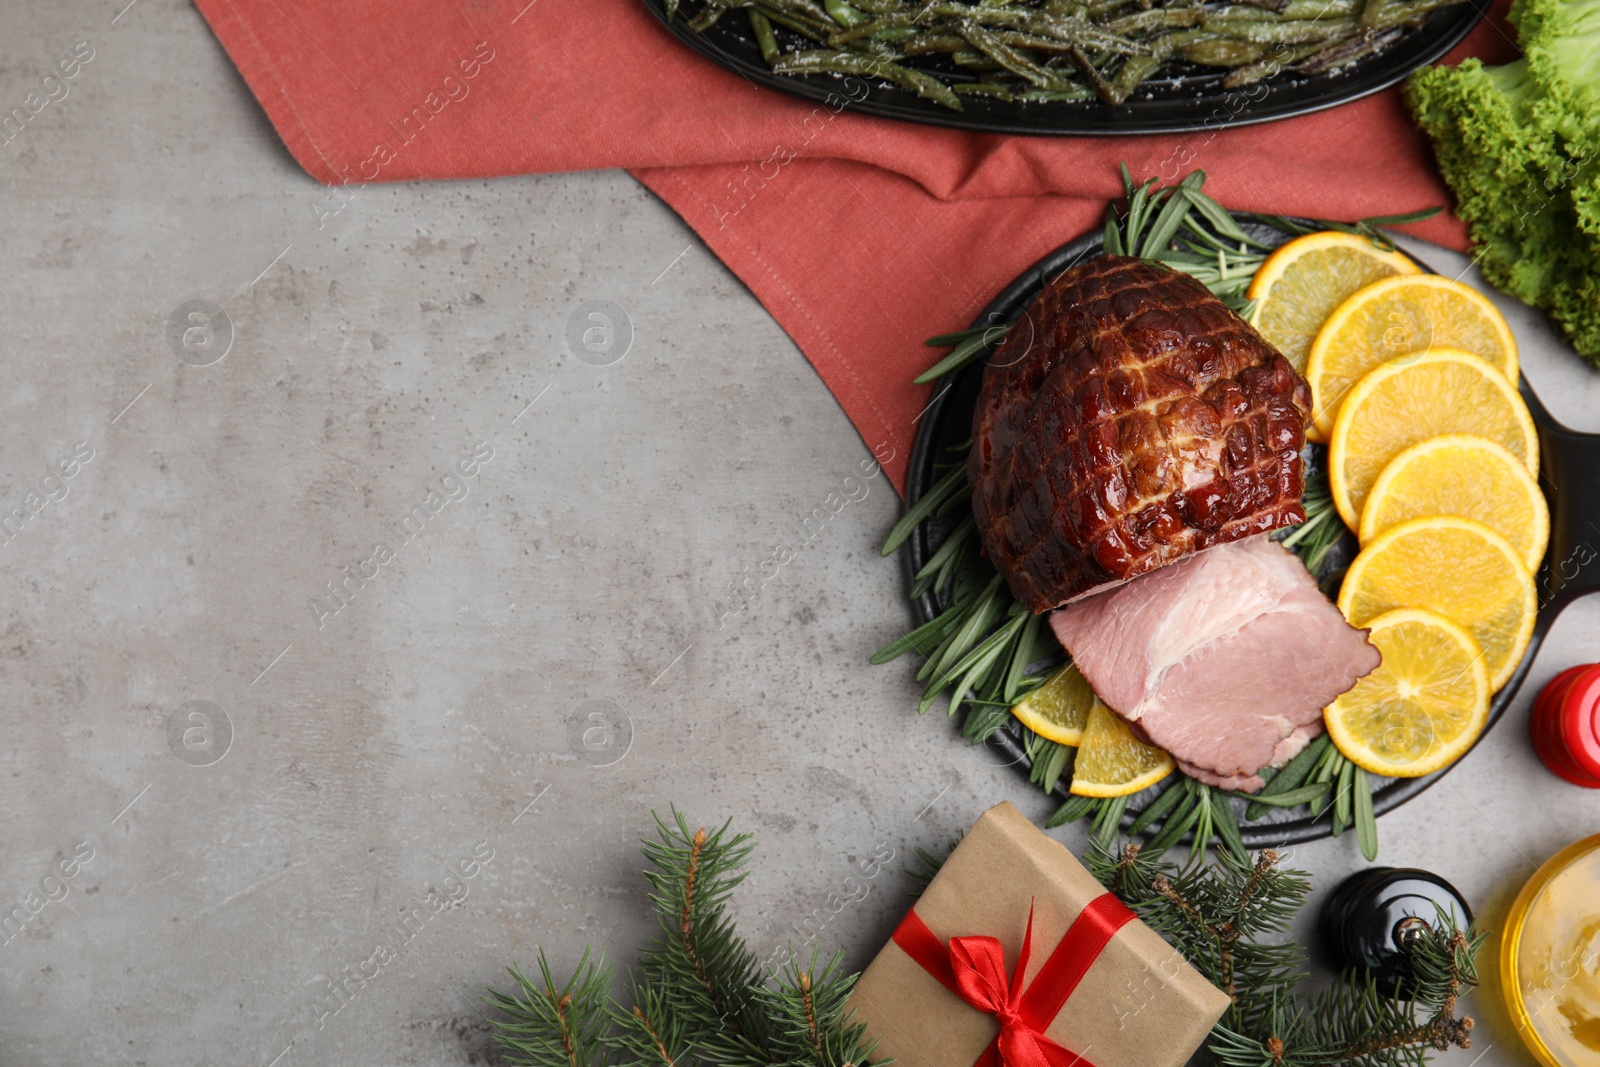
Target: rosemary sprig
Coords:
[[1289, 778], [951, 486], [1366, 818], [1367, 227], [1326, 774], [1048, 760], [1313, 539]]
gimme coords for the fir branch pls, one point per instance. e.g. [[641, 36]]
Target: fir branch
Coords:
[[650, 1033], [927, 865], [1217, 916], [1126, 863], [658, 1045], [686, 927], [1444, 963], [812, 1023], [1224, 918], [702, 998], [699, 957], [1163, 886], [812, 1037], [548, 1027], [1444, 967]]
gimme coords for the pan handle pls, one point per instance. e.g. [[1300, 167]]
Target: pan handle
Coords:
[[1570, 476]]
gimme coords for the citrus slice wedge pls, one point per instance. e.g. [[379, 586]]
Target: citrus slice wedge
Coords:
[[1412, 398], [1112, 762], [1458, 474], [1304, 281], [1059, 709], [1395, 317], [1456, 567], [1422, 707]]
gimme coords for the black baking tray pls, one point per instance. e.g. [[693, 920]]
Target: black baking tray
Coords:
[[1569, 475], [1185, 99]]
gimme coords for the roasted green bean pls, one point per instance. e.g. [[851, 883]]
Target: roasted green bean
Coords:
[[1305, 32], [821, 61], [1011, 59], [999, 92], [1049, 51], [1348, 51], [1158, 19], [1222, 52], [1278, 59]]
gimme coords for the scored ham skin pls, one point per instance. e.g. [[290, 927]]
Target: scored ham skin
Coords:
[[1128, 419], [1225, 658]]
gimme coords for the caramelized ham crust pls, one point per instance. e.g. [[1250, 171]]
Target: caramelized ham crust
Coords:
[[1128, 419]]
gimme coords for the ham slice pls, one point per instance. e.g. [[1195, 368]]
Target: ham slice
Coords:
[[1286, 750], [1225, 658]]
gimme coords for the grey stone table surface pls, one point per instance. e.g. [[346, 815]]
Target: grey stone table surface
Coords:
[[255, 783]]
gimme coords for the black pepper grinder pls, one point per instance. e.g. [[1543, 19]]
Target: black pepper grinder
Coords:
[[1371, 917]]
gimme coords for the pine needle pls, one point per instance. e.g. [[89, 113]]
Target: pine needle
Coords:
[[700, 997], [1231, 920]]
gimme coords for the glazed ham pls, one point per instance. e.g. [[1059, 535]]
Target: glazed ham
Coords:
[[1225, 658], [1129, 419]]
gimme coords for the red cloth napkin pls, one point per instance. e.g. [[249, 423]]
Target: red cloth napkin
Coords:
[[862, 236]]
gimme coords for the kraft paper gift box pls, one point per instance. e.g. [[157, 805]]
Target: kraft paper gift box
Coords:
[[1099, 988]]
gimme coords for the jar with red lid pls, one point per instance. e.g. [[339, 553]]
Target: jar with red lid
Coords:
[[1566, 725]]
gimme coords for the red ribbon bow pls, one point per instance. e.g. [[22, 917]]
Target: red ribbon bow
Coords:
[[974, 969]]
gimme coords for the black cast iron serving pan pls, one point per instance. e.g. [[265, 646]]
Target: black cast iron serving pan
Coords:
[[1570, 468], [1183, 99]]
